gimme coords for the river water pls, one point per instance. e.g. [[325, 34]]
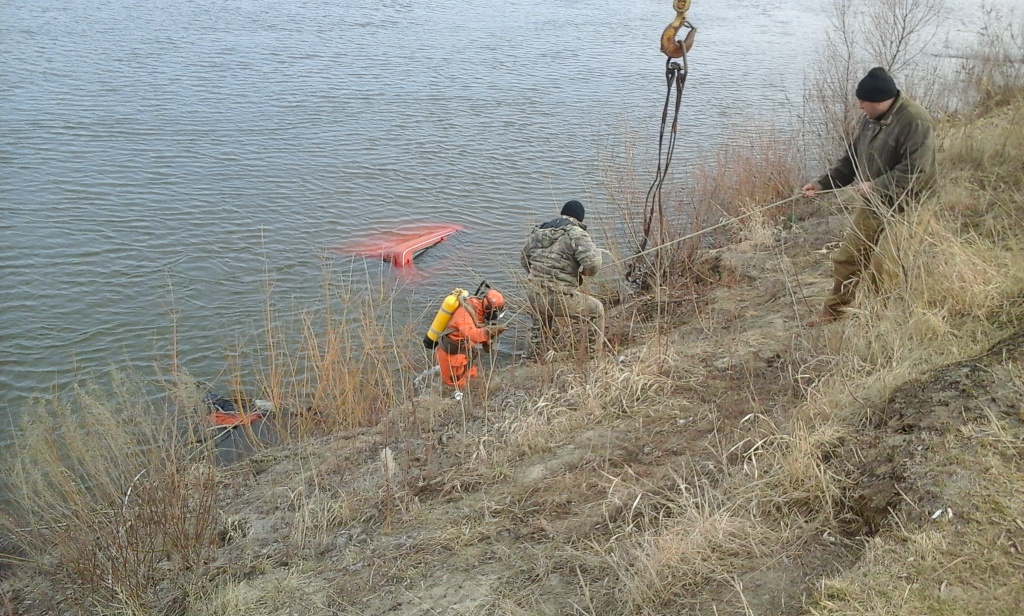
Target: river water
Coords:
[[166, 162]]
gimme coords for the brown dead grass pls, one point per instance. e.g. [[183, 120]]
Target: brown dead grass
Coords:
[[728, 461], [111, 499]]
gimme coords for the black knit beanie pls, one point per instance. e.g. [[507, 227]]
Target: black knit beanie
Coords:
[[877, 86], [574, 209]]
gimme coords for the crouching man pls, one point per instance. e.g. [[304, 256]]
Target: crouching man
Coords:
[[557, 255], [472, 325]]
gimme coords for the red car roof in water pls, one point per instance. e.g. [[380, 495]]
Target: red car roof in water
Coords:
[[400, 246]]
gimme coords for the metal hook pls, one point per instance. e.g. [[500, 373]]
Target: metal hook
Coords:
[[669, 45]]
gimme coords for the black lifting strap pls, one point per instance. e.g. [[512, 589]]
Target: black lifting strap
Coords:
[[675, 76]]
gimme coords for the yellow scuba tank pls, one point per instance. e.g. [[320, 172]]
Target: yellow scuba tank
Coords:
[[444, 315]]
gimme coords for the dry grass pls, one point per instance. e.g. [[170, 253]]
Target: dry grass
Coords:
[[345, 368], [550, 496], [286, 592], [320, 508], [692, 542], [112, 498], [685, 545]]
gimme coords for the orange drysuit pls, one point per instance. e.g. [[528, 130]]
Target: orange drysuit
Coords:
[[465, 333]]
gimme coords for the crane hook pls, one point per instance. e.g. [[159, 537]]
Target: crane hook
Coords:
[[669, 45]]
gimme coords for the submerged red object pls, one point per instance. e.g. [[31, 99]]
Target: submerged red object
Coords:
[[400, 247], [232, 420], [233, 411]]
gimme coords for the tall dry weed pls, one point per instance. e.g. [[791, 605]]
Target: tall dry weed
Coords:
[[108, 492], [732, 195], [992, 70], [343, 364], [739, 183]]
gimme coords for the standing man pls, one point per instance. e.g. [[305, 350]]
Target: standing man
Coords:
[[557, 255], [890, 162], [471, 325]]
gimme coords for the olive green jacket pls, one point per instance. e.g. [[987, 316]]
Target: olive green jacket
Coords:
[[896, 153], [559, 253]]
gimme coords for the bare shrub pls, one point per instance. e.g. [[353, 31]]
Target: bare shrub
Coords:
[[108, 493], [731, 189], [829, 103], [889, 33], [992, 71], [899, 31], [739, 183]]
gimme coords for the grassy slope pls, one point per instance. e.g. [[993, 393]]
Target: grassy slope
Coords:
[[729, 461]]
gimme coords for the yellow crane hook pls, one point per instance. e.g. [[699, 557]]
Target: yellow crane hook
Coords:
[[669, 45]]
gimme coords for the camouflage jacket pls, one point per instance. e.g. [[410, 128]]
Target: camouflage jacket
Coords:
[[559, 253], [895, 152]]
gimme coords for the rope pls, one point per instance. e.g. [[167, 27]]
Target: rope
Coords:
[[724, 223]]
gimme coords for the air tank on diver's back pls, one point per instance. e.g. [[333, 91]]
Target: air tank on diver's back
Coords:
[[444, 315]]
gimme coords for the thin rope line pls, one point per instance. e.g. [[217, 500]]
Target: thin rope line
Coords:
[[717, 226]]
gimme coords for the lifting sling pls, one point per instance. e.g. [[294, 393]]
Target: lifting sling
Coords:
[[675, 76]]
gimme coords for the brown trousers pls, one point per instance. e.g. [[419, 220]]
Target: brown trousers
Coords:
[[858, 258], [581, 309]]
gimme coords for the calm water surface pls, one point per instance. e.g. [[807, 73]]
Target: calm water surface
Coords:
[[162, 160]]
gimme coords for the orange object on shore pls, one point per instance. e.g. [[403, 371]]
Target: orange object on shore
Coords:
[[400, 246], [235, 410], [231, 420]]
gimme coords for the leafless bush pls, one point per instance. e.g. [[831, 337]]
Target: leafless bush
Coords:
[[889, 33], [899, 31], [720, 190], [109, 493], [993, 69]]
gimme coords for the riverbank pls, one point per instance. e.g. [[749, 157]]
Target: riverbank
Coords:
[[724, 460]]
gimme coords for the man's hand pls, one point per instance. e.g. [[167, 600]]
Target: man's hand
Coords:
[[809, 190], [864, 188], [494, 330]]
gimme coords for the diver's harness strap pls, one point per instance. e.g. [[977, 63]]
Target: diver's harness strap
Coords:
[[459, 347]]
